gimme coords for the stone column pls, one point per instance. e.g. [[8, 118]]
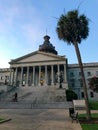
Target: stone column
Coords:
[[46, 75], [65, 83], [52, 78], [21, 78], [10, 80], [16, 77], [13, 76], [39, 74], [33, 75], [65, 80], [27, 79], [58, 73]]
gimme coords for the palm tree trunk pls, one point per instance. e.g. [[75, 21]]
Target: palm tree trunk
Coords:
[[84, 81]]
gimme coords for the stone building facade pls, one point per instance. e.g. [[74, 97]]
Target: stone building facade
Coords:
[[4, 76], [44, 67], [75, 81]]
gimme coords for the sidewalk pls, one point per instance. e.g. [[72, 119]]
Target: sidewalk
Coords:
[[38, 119]]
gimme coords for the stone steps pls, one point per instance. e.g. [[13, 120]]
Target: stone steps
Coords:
[[37, 94], [36, 98], [24, 105]]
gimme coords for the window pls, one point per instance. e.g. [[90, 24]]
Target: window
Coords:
[[96, 73], [71, 74], [79, 73], [81, 82], [1, 78], [8, 77], [72, 82], [88, 73], [82, 94], [91, 94]]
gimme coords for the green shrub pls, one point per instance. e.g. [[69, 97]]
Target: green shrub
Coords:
[[71, 95]]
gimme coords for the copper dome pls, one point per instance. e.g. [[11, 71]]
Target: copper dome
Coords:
[[47, 46]]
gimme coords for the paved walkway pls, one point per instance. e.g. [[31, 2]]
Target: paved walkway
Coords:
[[38, 119]]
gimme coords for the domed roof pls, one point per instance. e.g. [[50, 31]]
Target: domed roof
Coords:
[[47, 46]]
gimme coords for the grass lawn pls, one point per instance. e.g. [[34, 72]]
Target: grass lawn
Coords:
[[1, 119], [93, 105], [93, 115], [89, 126]]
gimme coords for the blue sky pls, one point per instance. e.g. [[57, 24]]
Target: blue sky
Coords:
[[23, 24]]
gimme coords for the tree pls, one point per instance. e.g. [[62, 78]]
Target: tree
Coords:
[[93, 84], [72, 28]]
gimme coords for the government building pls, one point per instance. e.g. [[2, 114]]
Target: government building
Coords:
[[45, 67]]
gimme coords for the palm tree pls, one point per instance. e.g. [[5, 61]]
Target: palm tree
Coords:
[[72, 28]]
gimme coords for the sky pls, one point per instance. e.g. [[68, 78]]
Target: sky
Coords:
[[24, 23]]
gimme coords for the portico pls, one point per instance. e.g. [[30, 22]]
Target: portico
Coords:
[[39, 74]]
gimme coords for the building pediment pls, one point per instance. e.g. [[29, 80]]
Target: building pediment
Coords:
[[37, 56]]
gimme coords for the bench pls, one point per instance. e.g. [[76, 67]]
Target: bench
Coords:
[[79, 104]]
